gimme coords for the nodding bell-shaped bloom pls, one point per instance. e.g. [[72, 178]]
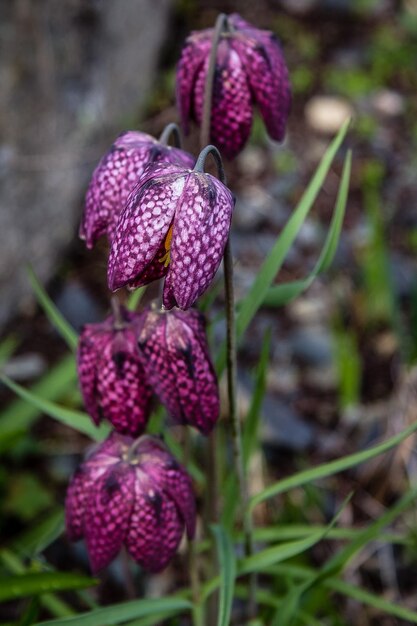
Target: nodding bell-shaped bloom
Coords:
[[117, 175], [175, 224], [174, 350], [250, 68], [111, 375], [132, 493]]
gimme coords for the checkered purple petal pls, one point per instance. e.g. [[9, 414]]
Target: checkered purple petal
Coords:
[[165, 471], [108, 514], [117, 175], [267, 74], [200, 231], [144, 223], [91, 343], [100, 458], [194, 53], [124, 395], [155, 527], [179, 369], [231, 115]]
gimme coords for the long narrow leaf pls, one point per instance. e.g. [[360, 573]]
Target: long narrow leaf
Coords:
[[251, 424], [20, 414], [54, 315], [119, 613], [272, 264], [75, 419], [54, 605], [282, 294], [376, 602], [227, 565], [37, 539], [331, 468], [24, 585]]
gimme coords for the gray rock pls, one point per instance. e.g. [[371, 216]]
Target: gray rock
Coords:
[[73, 74], [282, 427], [312, 346], [77, 305]]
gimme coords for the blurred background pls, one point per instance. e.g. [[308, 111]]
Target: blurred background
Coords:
[[75, 73]]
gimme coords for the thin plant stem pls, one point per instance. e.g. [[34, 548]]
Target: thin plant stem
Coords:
[[171, 130], [222, 26]]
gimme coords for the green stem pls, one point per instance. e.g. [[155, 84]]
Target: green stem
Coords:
[[221, 27]]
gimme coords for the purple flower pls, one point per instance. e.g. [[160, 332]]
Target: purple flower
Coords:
[[131, 493], [111, 376], [174, 351], [116, 176], [176, 223], [250, 68]]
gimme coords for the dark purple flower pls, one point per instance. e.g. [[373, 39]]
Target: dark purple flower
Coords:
[[174, 351], [112, 379], [250, 68], [132, 493], [117, 175], [176, 223]]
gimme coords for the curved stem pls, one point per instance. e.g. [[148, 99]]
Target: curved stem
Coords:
[[221, 26], [201, 160], [171, 129]]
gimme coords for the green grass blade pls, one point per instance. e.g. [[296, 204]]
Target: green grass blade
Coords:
[[273, 262], [227, 565], [280, 295], [270, 556], [276, 554], [135, 298], [376, 602], [23, 585], [331, 468], [37, 539], [55, 606], [54, 315], [19, 415], [118, 613], [251, 424], [7, 347], [75, 419]]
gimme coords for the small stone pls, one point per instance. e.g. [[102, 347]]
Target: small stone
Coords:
[[25, 366], [388, 103], [326, 114], [312, 346], [282, 427]]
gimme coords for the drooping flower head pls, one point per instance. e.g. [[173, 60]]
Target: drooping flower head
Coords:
[[174, 350], [133, 493], [250, 68], [175, 224], [117, 175], [111, 375]]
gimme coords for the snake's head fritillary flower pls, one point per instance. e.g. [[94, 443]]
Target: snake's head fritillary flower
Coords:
[[133, 493], [175, 354], [111, 375], [250, 68], [117, 175], [175, 224]]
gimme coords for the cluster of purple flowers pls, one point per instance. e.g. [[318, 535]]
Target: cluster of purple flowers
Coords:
[[163, 218]]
